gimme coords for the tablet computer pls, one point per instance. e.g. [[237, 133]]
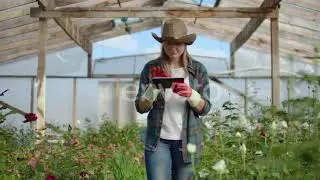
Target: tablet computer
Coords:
[[166, 82]]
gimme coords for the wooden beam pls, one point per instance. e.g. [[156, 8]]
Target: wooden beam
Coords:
[[57, 39], [249, 29], [163, 12], [120, 29], [68, 2], [97, 28], [7, 4], [19, 30], [26, 32], [100, 25], [114, 3], [308, 4], [41, 79], [28, 38], [89, 3], [70, 28], [73, 32], [16, 11], [30, 42], [17, 22], [275, 61]]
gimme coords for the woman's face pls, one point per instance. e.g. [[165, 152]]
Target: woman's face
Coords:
[[173, 50]]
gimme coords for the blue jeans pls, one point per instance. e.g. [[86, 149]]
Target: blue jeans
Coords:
[[167, 162]]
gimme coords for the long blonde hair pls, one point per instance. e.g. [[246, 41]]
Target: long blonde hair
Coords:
[[184, 59]]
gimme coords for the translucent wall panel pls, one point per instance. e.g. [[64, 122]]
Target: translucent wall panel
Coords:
[[123, 65], [142, 60], [71, 61], [109, 99], [127, 97], [213, 65], [87, 103], [250, 59], [135, 64], [18, 96], [58, 105], [260, 90], [220, 95]]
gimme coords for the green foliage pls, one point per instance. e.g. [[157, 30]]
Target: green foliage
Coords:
[[95, 154], [272, 151], [290, 152]]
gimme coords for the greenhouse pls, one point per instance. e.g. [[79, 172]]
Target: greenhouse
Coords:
[[70, 72]]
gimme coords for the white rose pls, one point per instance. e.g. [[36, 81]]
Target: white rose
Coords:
[[191, 148], [243, 148], [220, 167], [238, 134]]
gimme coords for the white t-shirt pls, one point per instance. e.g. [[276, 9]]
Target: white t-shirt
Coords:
[[174, 110]]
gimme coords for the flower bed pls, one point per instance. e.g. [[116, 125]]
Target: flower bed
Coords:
[[270, 144]]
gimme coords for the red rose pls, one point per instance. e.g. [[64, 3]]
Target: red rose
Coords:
[[50, 177], [30, 117]]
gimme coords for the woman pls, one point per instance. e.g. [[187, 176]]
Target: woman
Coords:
[[173, 113]]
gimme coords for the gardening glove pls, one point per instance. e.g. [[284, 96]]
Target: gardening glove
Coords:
[[151, 93], [157, 71], [182, 89]]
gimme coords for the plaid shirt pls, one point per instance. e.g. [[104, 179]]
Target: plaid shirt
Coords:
[[198, 80]]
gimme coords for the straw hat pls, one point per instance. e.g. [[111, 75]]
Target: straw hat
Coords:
[[174, 30]]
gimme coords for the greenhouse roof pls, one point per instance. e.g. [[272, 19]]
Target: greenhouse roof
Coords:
[[299, 25]]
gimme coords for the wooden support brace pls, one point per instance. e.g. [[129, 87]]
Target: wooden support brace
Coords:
[[16, 110], [275, 64], [249, 29], [66, 24]]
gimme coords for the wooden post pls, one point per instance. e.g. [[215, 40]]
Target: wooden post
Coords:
[[118, 102], [134, 112], [232, 65], [74, 103], [89, 61], [41, 79], [246, 95], [275, 60], [31, 98]]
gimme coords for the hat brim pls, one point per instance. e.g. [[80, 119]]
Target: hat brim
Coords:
[[187, 39]]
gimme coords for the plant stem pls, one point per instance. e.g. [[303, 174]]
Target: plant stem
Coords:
[[193, 166]]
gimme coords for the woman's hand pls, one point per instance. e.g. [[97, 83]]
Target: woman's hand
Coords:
[[193, 97], [151, 93], [181, 89], [157, 71]]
